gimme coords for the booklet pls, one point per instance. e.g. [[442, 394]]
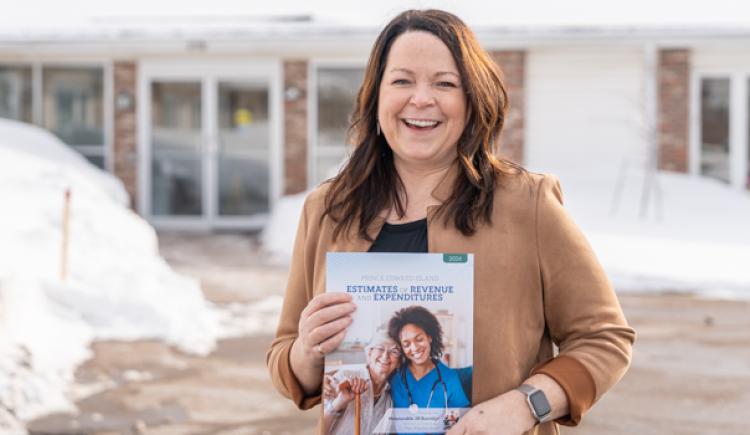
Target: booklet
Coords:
[[405, 365]]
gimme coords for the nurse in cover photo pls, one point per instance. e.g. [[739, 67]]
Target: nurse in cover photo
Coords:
[[424, 380]]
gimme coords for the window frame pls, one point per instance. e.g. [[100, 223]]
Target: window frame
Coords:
[[314, 149], [106, 149], [739, 127], [21, 64]]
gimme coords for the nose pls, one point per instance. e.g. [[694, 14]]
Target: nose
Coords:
[[383, 358], [422, 96]]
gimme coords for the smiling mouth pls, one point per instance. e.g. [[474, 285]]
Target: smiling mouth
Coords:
[[420, 124]]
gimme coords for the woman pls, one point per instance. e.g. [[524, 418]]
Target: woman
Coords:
[[423, 178], [383, 357], [422, 381]]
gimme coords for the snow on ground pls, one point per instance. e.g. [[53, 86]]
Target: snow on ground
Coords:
[[118, 286], [278, 235], [694, 236]]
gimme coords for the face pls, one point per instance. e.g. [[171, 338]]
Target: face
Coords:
[[422, 106], [415, 343], [383, 357]]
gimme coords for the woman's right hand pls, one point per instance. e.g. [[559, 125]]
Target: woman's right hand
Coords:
[[323, 323]]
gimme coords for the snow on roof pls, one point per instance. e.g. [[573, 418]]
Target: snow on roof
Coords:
[[301, 28], [171, 19]]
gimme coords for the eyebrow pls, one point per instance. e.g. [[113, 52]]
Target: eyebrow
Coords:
[[421, 334], [439, 73]]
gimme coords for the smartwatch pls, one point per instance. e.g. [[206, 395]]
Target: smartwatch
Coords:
[[540, 408]]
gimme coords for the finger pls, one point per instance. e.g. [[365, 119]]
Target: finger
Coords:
[[458, 429], [324, 299], [363, 387], [324, 332], [357, 385], [332, 343], [330, 312]]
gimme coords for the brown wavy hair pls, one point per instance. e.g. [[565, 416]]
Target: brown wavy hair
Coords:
[[369, 182]]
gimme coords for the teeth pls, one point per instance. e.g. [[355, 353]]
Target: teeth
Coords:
[[420, 123]]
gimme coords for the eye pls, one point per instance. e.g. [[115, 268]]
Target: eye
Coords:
[[447, 84], [400, 82]]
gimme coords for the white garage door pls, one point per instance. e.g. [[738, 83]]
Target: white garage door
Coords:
[[584, 108]]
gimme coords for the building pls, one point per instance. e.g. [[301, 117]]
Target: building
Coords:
[[208, 122]]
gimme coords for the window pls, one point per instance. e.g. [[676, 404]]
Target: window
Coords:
[[177, 170], [15, 93], [714, 138], [337, 89], [73, 108], [71, 100]]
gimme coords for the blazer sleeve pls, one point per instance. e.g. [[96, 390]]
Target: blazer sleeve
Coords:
[[296, 297], [583, 314]]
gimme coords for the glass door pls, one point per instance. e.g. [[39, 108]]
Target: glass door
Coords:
[[242, 152], [208, 138], [176, 133]]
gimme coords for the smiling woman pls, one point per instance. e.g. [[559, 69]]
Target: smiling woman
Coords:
[[422, 103], [423, 380], [423, 177]]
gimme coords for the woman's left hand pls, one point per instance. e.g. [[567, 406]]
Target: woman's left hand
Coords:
[[507, 414]]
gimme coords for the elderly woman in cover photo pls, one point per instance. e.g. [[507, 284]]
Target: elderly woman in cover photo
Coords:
[[339, 390], [550, 337]]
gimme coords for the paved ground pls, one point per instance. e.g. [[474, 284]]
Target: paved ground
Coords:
[[690, 374]]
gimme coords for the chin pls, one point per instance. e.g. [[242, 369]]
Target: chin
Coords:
[[418, 156]]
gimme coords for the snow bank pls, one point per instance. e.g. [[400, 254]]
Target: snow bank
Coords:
[[117, 288], [278, 235], [693, 238]]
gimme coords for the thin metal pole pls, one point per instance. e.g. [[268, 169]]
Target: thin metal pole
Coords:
[[65, 236]]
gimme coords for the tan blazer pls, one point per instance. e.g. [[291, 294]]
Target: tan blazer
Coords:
[[537, 283]]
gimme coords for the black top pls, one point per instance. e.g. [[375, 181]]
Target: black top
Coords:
[[408, 237]]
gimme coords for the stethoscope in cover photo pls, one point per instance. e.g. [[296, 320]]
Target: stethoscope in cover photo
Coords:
[[413, 407]]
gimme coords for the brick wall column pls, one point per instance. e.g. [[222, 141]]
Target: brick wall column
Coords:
[[673, 103], [125, 128], [295, 126], [513, 65]]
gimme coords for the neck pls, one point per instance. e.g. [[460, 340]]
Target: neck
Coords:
[[419, 182], [419, 370], [378, 382]]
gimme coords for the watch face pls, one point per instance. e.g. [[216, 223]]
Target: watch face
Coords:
[[540, 403]]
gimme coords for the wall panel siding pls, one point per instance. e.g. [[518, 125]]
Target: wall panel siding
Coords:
[[584, 107]]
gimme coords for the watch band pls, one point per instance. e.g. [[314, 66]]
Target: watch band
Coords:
[[538, 403]]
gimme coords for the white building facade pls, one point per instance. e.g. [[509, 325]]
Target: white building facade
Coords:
[[208, 126]]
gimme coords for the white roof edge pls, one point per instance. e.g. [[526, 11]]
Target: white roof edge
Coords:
[[303, 31], [308, 39]]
